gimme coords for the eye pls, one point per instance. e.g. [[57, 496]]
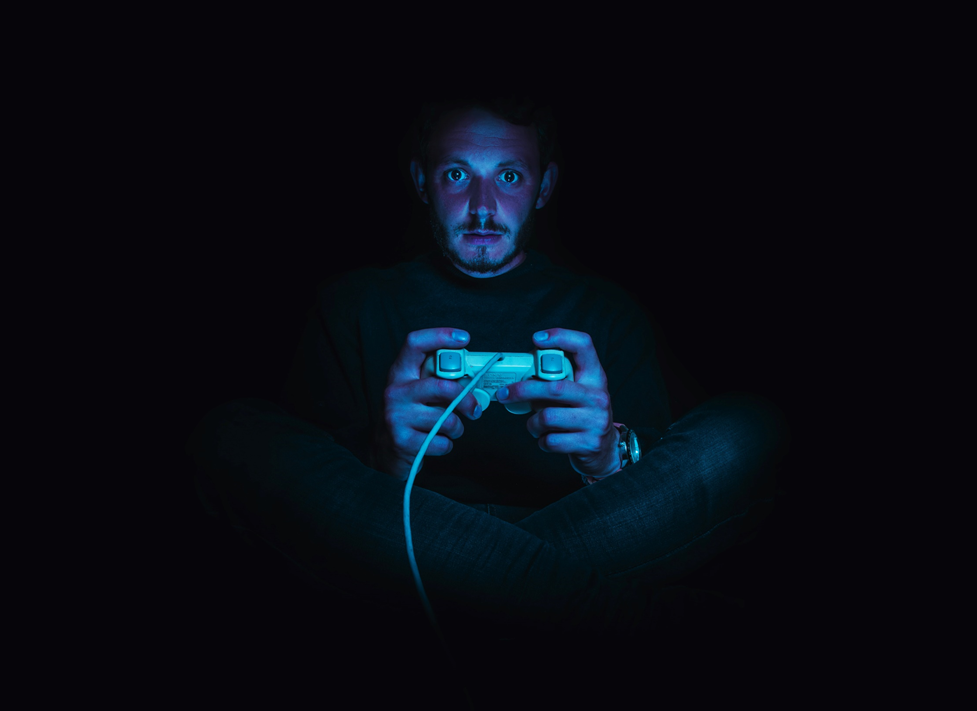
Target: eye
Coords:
[[455, 174], [509, 176]]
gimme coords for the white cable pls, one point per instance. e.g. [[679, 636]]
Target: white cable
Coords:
[[410, 482]]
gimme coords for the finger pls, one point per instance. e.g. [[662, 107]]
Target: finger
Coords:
[[419, 404], [554, 419], [586, 365], [413, 426], [576, 443], [437, 391], [438, 447], [469, 407], [418, 345], [423, 419], [587, 420], [563, 393]]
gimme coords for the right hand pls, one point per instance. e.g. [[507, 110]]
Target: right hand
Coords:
[[412, 404]]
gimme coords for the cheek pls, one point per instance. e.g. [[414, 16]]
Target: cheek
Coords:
[[514, 210], [452, 204], [510, 209]]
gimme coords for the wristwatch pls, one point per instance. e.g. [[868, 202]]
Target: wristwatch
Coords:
[[630, 448]]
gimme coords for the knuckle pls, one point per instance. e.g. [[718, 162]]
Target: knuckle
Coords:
[[392, 416], [415, 340], [602, 400], [400, 442], [422, 389]]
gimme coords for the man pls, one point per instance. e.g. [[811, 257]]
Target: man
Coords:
[[552, 520], [483, 179]]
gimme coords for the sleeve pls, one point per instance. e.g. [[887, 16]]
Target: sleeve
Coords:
[[325, 385]]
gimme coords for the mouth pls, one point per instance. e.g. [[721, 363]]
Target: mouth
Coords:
[[482, 237]]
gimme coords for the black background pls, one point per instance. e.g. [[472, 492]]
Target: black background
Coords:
[[711, 214], [705, 195]]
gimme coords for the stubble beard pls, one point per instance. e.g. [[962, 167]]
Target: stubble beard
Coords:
[[480, 263]]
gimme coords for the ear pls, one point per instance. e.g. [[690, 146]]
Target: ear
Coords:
[[547, 185], [417, 175]]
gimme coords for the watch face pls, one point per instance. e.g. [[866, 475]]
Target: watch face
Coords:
[[634, 446]]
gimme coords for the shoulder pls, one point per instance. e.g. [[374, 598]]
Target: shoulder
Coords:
[[610, 298], [610, 292], [612, 310], [358, 286]]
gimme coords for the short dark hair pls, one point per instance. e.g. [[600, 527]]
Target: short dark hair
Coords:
[[518, 110]]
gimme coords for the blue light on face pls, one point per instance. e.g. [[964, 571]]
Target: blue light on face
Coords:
[[483, 182], [506, 177]]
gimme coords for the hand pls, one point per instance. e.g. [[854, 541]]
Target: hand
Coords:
[[573, 417], [412, 404]]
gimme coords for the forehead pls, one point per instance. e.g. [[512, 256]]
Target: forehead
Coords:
[[477, 135]]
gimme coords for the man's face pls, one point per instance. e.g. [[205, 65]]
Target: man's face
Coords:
[[483, 185]]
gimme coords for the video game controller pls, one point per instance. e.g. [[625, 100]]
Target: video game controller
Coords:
[[462, 365]]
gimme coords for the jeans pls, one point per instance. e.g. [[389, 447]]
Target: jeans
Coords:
[[598, 560]]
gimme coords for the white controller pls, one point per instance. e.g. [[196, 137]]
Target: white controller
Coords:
[[462, 365]]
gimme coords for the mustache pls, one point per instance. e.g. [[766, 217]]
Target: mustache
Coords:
[[489, 225]]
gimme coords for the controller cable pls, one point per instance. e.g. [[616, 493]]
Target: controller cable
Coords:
[[410, 482]]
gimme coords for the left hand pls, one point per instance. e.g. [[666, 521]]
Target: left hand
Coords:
[[573, 417]]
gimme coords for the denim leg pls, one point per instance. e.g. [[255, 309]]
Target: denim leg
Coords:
[[287, 484], [706, 483], [510, 514]]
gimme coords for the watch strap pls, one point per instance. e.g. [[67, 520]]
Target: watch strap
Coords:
[[623, 450]]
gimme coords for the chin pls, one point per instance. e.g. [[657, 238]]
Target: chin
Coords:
[[481, 259], [481, 262]]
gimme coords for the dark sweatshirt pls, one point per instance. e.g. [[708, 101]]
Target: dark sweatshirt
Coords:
[[362, 319]]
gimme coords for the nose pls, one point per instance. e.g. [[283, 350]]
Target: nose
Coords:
[[482, 199]]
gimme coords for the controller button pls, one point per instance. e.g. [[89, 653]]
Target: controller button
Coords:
[[450, 362], [551, 364], [518, 408]]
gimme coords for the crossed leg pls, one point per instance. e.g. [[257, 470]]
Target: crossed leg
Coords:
[[708, 482], [584, 562]]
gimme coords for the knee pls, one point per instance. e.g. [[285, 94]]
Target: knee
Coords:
[[741, 415], [750, 418], [746, 431]]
